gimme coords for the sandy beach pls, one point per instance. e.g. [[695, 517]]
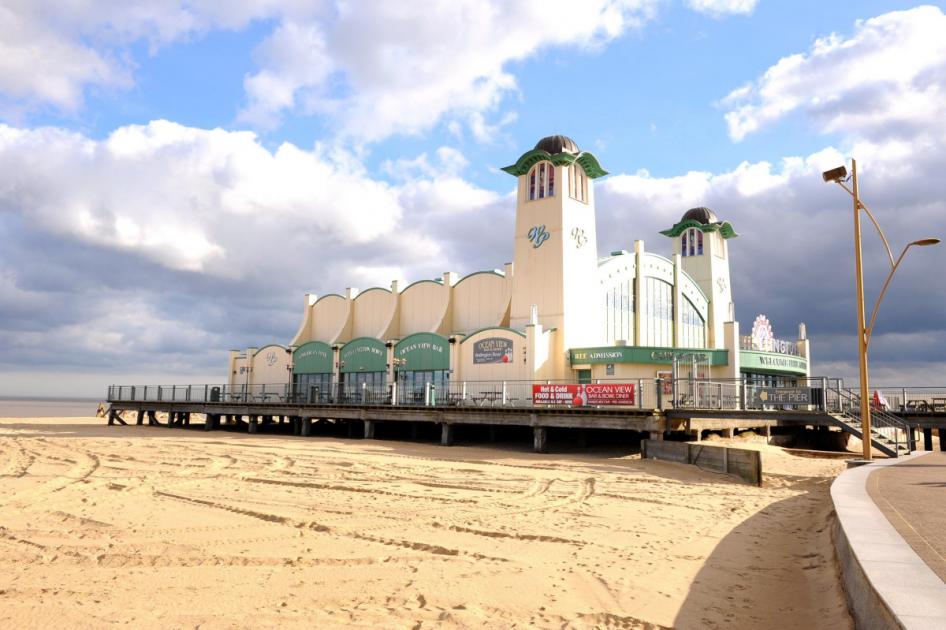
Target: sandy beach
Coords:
[[152, 527]]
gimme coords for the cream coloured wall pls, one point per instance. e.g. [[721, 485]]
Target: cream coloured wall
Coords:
[[270, 365], [422, 305], [371, 310], [479, 300], [329, 318]]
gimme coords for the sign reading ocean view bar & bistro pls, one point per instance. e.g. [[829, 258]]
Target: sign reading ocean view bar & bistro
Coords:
[[492, 350], [578, 395]]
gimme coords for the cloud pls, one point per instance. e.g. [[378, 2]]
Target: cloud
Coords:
[[717, 8], [884, 80], [385, 68]]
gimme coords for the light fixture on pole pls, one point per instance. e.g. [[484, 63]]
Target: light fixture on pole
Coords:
[[839, 176]]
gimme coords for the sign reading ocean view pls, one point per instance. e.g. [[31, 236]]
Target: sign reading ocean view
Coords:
[[578, 395], [492, 350]]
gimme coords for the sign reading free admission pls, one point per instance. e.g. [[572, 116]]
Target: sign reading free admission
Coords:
[[578, 395], [492, 350]]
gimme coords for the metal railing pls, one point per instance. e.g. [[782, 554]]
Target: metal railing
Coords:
[[807, 394], [883, 423]]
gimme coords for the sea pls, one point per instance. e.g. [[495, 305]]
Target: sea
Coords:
[[11, 407]]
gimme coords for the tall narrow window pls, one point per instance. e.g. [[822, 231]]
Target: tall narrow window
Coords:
[[541, 180], [551, 181], [699, 242], [683, 248], [532, 185], [692, 244]]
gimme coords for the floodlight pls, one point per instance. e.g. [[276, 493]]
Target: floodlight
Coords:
[[924, 242], [835, 174]]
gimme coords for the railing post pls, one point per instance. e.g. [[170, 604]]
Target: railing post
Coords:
[[144, 396], [463, 392], [719, 388], [824, 393], [426, 394], [205, 392], [159, 393], [173, 393], [640, 393], [903, 399], [394, 393], [504, 393], [133, 392], [743, 392], [660, 393], [188, 393]]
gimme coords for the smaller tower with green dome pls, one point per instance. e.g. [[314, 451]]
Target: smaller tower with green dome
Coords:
[[700, 239]]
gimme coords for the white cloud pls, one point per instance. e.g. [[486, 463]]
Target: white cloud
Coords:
[[886, 79], [717, 8], [402, 67]]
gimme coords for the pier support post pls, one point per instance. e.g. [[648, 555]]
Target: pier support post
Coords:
[[540, 439], [582, 438], [942, 443], [767, 431], [208, 422], [152, 418], [172, 418], [369, 429], [697, 435], [657, 436], [141, 417], [446, 434], [306, 429], [187, 419], [415, 431], [729, 433], [927, 439], [491, 432], [254, 424]]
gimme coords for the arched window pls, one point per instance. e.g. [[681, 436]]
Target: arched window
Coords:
[[541, 181], [699, 242], [683, 244], [577, 183], [692, 243]]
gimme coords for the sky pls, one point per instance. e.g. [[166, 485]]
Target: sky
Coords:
[[175, 176]]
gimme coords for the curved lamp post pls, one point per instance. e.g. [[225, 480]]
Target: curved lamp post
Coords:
[[839, 176]]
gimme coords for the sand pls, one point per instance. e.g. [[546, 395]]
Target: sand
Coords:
[[153, 527]]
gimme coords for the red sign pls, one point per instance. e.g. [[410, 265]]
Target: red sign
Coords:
[[578, 395]]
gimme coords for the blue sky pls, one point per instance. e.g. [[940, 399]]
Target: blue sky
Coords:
[[205, 163]]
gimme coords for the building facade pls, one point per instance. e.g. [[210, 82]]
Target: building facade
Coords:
[[558, 311]]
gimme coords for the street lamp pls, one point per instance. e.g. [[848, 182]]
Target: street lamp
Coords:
[[839, 176]]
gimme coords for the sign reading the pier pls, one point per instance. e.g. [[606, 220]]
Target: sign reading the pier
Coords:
[[783, 396], [579, 395], [492, 350]]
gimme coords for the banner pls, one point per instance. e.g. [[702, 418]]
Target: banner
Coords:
[[579, 395]]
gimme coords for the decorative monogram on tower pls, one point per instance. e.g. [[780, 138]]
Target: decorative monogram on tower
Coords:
[[579, 235], [538, 235]]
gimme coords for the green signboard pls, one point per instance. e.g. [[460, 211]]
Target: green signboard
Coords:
[[314, 357], [423, 351], [753, 361], [645, 354], [365, 354]]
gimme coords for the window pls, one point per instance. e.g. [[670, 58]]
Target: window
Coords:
[[692, 243], [577, 183], [657, 313], [541, 181], [692, 326], [619, 311]]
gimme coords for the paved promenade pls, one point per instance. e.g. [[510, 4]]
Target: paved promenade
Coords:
[[910, 495]]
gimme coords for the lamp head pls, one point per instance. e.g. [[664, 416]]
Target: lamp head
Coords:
[[835, 174], [925, 242]]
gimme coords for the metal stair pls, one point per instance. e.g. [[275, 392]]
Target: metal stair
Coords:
[[888, 434]]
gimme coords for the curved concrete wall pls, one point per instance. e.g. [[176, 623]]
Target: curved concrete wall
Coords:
[[422, 305], [479, 300], [329, 315], [371, 310]]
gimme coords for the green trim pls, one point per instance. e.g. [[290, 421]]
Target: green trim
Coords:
[[364, 354], [328, 295], [479, 273], [272, 345], [440, 282], [360, 293], [725, 228], [641, 354], [772, 362], [313, 357], [423, 351], [589, 163], [505, 328]]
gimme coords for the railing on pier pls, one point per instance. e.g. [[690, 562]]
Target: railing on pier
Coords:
[[806, 394]]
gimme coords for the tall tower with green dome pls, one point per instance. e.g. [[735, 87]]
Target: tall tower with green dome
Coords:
[[555, 260]]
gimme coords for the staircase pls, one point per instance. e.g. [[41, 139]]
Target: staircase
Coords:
[[888, 433]]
